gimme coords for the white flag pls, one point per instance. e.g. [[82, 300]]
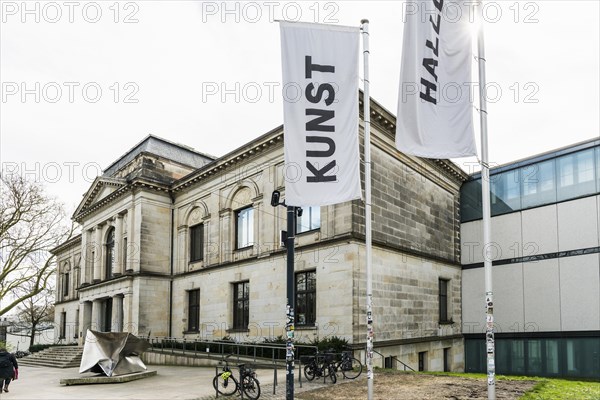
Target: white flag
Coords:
[[320, 113], [435, 117]]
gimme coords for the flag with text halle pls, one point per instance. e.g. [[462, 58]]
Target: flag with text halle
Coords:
[[435, 114]]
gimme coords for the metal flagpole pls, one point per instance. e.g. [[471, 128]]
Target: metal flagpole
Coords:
[[485, 199], [367, 145], [289, 326]]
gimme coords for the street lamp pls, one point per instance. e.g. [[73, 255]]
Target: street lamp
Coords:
[[289, 322]]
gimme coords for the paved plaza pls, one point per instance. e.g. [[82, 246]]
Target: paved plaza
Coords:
[[171, 382]]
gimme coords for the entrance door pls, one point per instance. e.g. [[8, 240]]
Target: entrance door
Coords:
[[107, 315]]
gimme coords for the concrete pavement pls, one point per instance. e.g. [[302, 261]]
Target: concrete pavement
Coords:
[[171, 382]]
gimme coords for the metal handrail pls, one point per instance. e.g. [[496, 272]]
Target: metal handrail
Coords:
[[405, 365], [191, 346], [382, 358]]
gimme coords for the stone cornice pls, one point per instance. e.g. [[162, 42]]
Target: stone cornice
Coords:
[[74, 241], [242, 154], [101, 203]]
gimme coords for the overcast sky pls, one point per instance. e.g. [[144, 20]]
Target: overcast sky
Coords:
[[161, 68]]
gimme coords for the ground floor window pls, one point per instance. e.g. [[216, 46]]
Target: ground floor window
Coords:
[[540, 356], [241, 305], [306, 298], [193, 310]]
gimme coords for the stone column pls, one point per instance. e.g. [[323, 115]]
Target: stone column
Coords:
[[258, 232], [84, 263], [86, 311], [128, 324], [97, 315], [117, 313], [59, 286], [182, 250], [227, 242], [76, 325], [97, 261], [118, 264]]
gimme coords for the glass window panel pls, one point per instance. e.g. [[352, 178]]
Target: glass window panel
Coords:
[[245, 228], [505, 192], [241, 296], [551, 357], [311, 280], [470, 201], [570, 356], [503, 356], [306, 298], [110, 254], [193, 310], [475, 355], [518, 357], [585, 166], [534, 361], [443, 300], [538, 184], [576, 175], [598, 169], [310, 219], [315, 221], [196, 242]]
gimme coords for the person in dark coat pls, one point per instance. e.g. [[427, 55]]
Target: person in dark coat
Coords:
[[9, 368]]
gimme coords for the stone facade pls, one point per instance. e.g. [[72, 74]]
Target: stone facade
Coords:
[[151, 204]]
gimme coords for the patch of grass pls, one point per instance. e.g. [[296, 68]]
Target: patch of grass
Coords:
[[546, 388], [560, 389]]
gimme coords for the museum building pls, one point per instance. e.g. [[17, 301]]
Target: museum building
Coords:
[[546, 264], [176, 243]]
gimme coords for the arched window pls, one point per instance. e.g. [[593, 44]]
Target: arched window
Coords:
[[110, 252]]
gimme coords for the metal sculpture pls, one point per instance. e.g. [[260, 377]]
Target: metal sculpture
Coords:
[[113, 353]]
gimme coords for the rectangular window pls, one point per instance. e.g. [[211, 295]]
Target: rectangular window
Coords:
[[306, 298], [538, 184], [470, 201], [598, 169], [241, 305], [443, 301], [447, 365], [197, 243], [576, 175], [244, 228], [535, 365], [193, 310], [310, 219], [505, 192], [66, 285]]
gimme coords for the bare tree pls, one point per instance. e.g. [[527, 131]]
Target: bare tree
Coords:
[[31, 223], [33, 312]]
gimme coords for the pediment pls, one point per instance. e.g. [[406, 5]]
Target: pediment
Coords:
[[100, 189]]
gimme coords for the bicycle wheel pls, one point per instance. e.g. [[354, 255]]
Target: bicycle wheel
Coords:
[[331, 373], [225, 383], [251, 387], [351, 368], [309, 372]]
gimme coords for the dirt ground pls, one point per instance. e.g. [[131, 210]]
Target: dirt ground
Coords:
[[419, 387]]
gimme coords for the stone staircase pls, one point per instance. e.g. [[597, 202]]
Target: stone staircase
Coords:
[[56, 357]]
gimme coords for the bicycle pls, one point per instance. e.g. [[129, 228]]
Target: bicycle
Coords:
[[226, 384], [321, 369], [351, 367]]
